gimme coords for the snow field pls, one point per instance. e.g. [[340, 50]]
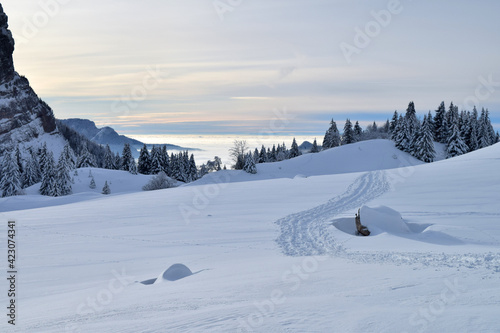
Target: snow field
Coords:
[[267, 256]]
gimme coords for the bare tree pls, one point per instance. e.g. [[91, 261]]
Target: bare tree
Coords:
[[237, 153]]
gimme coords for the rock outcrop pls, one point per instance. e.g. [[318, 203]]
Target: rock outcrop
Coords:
[[23, 116]]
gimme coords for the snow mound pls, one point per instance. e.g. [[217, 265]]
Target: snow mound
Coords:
[[378, 220], [174, 273]]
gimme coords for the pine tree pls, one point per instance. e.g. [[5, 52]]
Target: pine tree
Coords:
[[109, 159], [402, 140], [69, 156], [92, 184], [249, 164], [86, 160], [193, 170], [19, 160], [118, 161], [48, 186], [456, 145], [106, 189], [314, 148], [294, 151], [165, 161], [256, 155], [358, 131], [62, 177], [332, 136], [31, 173], [127, 160], [156, 163], [424, 146], [144, 162], [439, 126], [348, 136], [10, 181], [394, 122], [263, 155]]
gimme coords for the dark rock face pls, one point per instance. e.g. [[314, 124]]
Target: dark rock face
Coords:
[[6, 49], [23, 116]]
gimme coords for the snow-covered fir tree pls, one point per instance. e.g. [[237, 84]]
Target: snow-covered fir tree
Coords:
[[63, 177], [358, 131], [69, 156], [439, 125], [31, 173], [294, 151], [10, 180], [127, 160], [424, 146], [393, 122], [156, 160], [332, 136], [456, 145], [48, 185], [348, 135], [86, 160], [109, 159], [19, 160], [314, 148], [144, 162], [106, 189], [92, 184], [193, 170], [249, 164]]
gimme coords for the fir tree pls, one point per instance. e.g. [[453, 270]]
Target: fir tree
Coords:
[[348, 136], [332, 136], [69, 156], [439, 126], [358, 131], [62, 177], [31, 173], [193, 170], [109, 159], [263, 155], [156, 160], [19, 160], [294, 151], [48, 186], [144, 162], [86, 160], [10, 181], [127, 161], [249, 164], [92, 184], [394, 122], [424, 146], [314, 148], [456, 145], [106, 189]]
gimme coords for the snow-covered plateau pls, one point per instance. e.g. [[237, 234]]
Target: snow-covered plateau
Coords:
[[272, 252]]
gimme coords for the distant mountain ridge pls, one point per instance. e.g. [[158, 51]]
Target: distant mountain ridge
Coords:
[[108, 136], [103, 136]]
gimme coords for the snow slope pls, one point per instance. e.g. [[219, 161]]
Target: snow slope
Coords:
[[271, 255], [357, 157], [120, 182]]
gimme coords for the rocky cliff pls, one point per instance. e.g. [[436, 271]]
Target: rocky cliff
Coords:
[[23, 116]]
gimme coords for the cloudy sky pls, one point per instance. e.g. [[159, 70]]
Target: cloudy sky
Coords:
[[241, 66]]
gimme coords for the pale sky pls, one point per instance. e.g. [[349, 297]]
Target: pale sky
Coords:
[[244, 66]]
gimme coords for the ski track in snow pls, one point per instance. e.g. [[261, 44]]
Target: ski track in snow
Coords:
[[308, 233]]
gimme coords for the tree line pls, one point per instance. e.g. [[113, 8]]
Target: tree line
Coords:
[[461, 132]]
